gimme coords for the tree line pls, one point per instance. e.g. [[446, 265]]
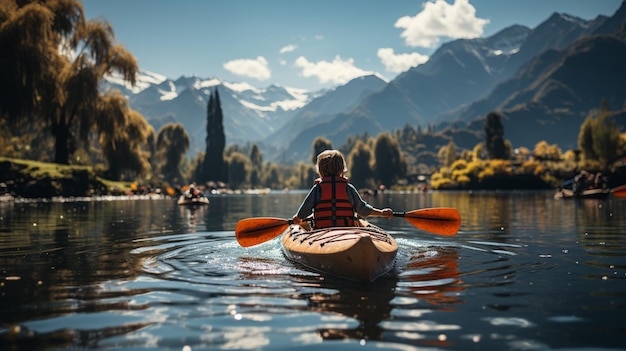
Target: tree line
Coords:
[[494, 163]]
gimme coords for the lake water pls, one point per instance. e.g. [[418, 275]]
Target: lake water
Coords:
[[525, 272]]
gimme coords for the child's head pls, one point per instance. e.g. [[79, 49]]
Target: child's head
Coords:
[[331, 163]]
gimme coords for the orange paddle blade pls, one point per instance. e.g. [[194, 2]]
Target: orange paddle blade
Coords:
[[441, 220], [254, 231], [619, 191]]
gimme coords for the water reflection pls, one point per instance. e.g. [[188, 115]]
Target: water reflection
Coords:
[[433, 276], [368, 305], [191, 214], [428, 282], [150, 274]]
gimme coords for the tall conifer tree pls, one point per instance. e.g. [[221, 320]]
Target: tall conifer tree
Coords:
[[214, 165], [494, 137]]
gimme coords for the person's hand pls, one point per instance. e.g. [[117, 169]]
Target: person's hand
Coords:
[[296, 220], [387, 212]]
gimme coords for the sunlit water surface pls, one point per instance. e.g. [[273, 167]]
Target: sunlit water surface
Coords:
[[525, 272]]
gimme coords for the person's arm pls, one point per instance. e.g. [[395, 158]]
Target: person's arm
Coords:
[[306, 208], [364, 209], [385, 212]]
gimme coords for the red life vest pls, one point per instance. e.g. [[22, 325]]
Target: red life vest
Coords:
[[334, 209]]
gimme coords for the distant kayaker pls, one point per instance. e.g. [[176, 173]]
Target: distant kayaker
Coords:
[[332, 200], [192, 192]]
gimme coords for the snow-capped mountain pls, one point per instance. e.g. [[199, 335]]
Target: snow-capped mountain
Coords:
[[251, 113]]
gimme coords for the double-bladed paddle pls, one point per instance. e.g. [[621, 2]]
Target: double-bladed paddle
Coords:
[[441, 221]]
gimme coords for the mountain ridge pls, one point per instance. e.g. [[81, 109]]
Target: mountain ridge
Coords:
[[561, 94], [458, 73], [461, 82]]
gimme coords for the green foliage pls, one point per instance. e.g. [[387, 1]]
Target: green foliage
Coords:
[[606, 138], [214, 166], [256, 157], [122, 133], [351, 141], [237, 170], [494, 137], [492, 174], [320, 144], [389, 162], [256, 162], [360, 165], [272, 177], [439, 181], [420, 146], [171, 145], [46, 84], [544, 151], [585, 138], [599, 138], [447, 154], [194, 173]]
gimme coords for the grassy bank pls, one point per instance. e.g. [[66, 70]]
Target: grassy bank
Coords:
[[34, 179]]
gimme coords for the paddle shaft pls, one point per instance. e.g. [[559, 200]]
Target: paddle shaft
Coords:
[[440, 221], [418, 216]]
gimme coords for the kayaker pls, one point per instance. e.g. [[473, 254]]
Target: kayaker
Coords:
[[192, 192], [332, 200]]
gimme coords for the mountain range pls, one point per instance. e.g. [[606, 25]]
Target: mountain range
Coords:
[[250, 113], [544, 81]]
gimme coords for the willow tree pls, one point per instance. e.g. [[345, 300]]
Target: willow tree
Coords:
[[30, 33], [389, 163], [172, 144], [360, 165], [599, 137], [237, 170], [123, 137], [606, 140], [585, 139], [53, 60]]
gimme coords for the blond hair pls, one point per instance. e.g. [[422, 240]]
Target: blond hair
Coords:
[[331, 163]]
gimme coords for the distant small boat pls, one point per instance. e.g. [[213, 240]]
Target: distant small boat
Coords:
[[196, 200], [585, 194], [261, 191]]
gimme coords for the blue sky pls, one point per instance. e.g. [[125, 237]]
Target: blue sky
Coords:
[[310, 44]]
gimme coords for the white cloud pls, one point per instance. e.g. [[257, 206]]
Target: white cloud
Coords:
[[288, 48], [254, 68], [401, 62], [440, 19], [338, 71]]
